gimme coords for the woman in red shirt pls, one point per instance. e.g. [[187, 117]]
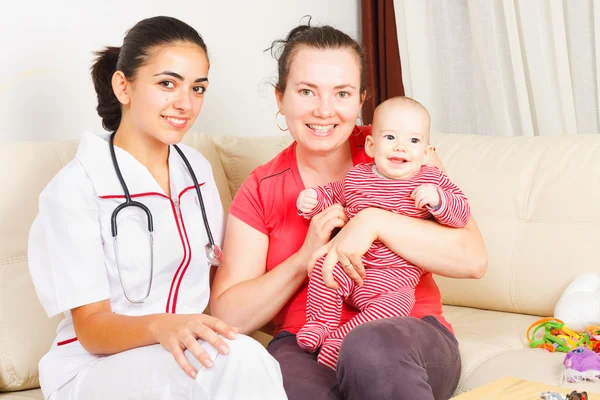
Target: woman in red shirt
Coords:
[[268, 246]]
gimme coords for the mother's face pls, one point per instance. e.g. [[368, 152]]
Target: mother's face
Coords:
[[322, 99]]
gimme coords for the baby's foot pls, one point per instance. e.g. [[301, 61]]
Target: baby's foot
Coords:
[[330, 352], [312, 335]]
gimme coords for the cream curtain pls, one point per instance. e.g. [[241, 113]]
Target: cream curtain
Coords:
[[503, 67]]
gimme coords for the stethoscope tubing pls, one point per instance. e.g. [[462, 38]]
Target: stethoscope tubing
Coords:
[[128, 201], [200, 199], [214, 253]]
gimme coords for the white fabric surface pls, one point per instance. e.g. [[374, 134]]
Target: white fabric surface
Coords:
[[503, 67], [151, 373]]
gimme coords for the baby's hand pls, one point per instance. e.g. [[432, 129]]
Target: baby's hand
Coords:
[[426, 194], [307, 200]]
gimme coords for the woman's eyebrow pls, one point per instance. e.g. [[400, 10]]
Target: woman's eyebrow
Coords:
[[170, 73], [181, 78], [345, 85], [312, 85]]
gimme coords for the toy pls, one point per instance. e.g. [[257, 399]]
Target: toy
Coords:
[[551, 396], [557, 337], [577, 396], [556, 396], [579, 305], [579, 365]]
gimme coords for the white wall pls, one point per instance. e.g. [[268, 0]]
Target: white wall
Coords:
[[46, 49]]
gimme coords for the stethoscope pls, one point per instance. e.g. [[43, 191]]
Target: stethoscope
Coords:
[[214, 254]]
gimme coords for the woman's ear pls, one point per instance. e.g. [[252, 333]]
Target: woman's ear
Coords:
[[120, 86], [279, 98], [363, 96], [370, 146]]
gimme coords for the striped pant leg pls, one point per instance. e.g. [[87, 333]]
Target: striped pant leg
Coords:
[[384, 296], [324, 307]]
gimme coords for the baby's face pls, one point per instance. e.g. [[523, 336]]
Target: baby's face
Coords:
[[400, 141]]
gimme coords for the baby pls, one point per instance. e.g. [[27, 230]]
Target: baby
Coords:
[[400, 181]]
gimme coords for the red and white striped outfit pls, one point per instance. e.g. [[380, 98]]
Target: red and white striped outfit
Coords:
[[388, 289]]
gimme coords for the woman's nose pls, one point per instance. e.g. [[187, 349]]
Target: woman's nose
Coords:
[[183, 101], [325, 107]]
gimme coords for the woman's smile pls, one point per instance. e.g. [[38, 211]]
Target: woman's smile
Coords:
[[178, 123], [321, 130]]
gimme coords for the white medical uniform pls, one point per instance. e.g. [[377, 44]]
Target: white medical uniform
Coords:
[[72, 263]]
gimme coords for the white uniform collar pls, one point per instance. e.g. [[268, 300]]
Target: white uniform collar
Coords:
[[94, 154]]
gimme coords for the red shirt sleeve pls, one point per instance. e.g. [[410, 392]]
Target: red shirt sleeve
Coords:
[[247, 204]]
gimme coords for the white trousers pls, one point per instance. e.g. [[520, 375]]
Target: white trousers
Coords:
[[246, 372]]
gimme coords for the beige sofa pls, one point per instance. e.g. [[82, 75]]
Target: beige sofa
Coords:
[[535, 199]]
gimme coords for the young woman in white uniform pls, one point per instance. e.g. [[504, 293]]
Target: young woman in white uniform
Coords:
[[133, 326]]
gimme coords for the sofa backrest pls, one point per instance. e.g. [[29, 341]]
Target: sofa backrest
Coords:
[[534, 199]]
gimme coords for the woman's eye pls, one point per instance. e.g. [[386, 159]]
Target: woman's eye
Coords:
[[199, 89], [167, 84], [305, 92], [343, 95], [414, 140]]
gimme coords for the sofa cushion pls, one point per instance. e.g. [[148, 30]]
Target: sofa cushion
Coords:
[[240, 155], [26, 333], [494, 345], [205, 145], [35, 394]]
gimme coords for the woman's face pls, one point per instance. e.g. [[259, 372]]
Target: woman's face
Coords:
[[322, 99], [167, 93]]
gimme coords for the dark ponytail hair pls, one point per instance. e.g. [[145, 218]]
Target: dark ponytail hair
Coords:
[[137, 46], [317, 37]]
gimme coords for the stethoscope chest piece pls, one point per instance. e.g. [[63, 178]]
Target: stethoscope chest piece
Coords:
[[214, 254]]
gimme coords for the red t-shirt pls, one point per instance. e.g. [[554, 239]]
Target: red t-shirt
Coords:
[[267, 202]]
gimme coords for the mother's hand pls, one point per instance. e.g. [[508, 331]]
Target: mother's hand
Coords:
[[319, 231], [347, 248]]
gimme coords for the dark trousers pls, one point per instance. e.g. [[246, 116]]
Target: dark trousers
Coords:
[[393, 358]]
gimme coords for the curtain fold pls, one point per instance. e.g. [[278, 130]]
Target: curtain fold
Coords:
[[503, 67], [380, 41]]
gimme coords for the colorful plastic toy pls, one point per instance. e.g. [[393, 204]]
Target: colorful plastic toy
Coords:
[[557, 396], [557, 337]]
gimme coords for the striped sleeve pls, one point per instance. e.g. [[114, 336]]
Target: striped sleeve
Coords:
[[454, 209], [327, 195]]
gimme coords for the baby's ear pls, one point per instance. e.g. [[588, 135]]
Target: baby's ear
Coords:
[[428, 151], [370, 146]]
